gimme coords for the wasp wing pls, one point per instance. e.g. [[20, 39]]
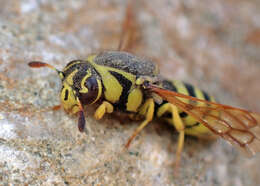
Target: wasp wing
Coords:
[[130, 30], [239, 127]]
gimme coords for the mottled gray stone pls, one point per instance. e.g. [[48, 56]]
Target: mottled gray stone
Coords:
[[213, 44]]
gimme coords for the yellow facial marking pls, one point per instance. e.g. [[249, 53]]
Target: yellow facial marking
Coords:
[[68, 99]]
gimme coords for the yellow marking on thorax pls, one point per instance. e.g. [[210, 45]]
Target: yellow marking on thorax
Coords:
[[113, 88], [134, 100]]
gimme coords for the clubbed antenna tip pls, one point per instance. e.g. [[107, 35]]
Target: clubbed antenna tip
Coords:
[[39, 64]]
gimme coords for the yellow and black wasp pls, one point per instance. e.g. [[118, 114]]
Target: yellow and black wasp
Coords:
[[120, 81], [126, 83]]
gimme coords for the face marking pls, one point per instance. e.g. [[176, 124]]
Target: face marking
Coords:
[[68, 98], [66, 95]]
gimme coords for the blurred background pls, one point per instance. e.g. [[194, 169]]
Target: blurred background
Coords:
[[213, 45]]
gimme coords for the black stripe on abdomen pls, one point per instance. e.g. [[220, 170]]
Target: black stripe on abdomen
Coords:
[[126, 84], [206, 96], [169, 115], [191, 126], [169, 85], [190, 89]]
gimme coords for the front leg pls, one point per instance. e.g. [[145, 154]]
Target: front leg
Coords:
[[105, 107]]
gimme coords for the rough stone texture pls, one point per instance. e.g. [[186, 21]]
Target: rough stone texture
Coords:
[[213, 44]]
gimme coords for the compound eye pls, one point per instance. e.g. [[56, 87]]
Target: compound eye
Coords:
[[92, 86]]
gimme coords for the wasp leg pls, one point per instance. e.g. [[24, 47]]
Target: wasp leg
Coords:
[[105, 107], [56, 107], [178, 124], [81, 121], [148, 111]]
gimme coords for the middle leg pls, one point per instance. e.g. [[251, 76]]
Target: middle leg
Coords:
[[148, 111]]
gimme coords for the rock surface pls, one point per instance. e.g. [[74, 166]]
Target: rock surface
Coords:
[[212, 44]]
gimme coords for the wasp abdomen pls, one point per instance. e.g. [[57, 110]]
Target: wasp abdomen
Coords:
[[189, 90]]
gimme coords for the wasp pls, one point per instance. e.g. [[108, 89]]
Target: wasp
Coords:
[[121, 81]]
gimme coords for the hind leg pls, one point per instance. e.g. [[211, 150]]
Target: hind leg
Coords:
[[178, 124]]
